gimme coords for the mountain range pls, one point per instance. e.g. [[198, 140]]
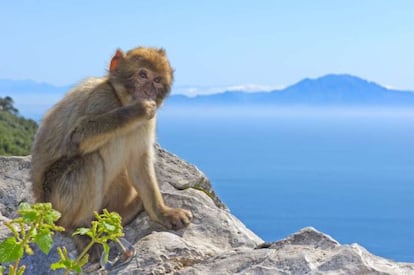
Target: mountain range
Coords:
[[33, 98], [331, 90]]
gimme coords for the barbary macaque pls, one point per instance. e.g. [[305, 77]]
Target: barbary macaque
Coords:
[[94, 148]]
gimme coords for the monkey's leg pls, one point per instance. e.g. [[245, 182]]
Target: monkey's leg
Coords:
[[77, 194], [79, 214], [143, 176], [121, 197]]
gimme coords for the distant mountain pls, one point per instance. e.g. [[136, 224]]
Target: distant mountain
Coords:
[[8, 85], [30, 97], [331, 90], [33, 98]]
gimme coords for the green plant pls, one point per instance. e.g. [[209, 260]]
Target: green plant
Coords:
[[16, 132], [35, 225], [106, 227]]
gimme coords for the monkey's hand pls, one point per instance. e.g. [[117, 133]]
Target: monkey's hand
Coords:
[[149, 107], [175, 218], [92, 131]]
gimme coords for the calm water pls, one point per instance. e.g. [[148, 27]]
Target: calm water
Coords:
[[348, 175]]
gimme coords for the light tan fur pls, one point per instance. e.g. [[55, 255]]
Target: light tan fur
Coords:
[[94, 149]]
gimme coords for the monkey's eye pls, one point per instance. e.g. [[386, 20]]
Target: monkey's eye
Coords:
[[157, 79], [143, 74]]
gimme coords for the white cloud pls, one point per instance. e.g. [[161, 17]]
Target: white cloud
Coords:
[[206, 90], [391, 87]]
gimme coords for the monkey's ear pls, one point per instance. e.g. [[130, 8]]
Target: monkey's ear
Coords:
[[161, 51], [116, 60]]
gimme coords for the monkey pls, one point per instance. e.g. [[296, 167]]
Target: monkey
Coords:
[[95, 148]]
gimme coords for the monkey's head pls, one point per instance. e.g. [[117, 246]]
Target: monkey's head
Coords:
[[145, 73]]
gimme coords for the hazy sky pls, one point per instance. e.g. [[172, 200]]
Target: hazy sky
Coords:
[[212, 43]]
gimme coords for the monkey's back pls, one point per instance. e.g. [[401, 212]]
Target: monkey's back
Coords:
[[48, 146]]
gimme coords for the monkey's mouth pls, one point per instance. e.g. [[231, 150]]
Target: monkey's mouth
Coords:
[[148, 93], [145, 94]]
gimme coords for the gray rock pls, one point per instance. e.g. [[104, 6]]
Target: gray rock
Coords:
[[216, 242], [15, 186], [305, 252]]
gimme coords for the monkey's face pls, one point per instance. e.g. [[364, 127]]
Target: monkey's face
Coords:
[[148, 85], [145, 72]]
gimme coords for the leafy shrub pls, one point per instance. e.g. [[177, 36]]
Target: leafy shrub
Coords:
[[36, 225], [16, 133]]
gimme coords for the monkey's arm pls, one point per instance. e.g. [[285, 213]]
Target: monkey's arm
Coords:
[[142, 172], [92, 131]]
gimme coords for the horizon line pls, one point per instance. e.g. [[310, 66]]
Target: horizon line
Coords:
[[205, 90]]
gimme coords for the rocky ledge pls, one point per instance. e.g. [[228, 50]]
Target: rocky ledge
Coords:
[[215, 243]]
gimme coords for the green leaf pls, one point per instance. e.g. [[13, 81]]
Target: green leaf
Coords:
[[57, 265], [106, 252], [58, 228], [68, 265], [84, 260], [21, 270], [65, 262], [81, 231], [77, 268], [10, 250], [33, 233], [24, 206], [44, 241], [55, 215], [28, 250], [109, 227], [51, 216], [29, 215]]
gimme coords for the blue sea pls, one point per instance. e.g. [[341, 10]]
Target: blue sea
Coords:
[[347, 172]]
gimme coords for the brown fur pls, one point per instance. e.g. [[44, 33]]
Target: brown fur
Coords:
[[94, 149]]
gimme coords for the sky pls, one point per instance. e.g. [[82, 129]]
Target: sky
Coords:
[[213, 45]]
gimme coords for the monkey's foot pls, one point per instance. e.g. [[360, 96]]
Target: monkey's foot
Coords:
[[175, 218]]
